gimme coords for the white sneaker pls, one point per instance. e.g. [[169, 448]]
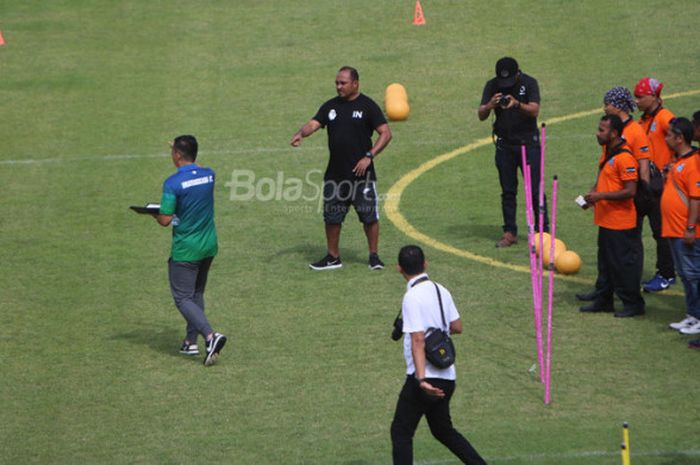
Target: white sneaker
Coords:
[[693, 329], [689, 321], [214, 346]]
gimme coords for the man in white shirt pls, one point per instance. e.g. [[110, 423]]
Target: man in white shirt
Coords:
[[428, 389]]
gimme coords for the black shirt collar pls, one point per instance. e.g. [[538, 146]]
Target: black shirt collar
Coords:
[[689, 153]]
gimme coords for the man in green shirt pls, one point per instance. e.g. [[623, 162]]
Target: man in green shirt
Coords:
[[188, 205]]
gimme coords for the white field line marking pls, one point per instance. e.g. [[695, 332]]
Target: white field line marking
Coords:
[[135, 156], [570, 456]]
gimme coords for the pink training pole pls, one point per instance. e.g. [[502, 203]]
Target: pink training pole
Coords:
[[527, 175], [536, 296], [553, 227], [541, 206], [540, 269]]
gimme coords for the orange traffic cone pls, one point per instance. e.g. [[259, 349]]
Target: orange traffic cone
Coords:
[[418, 18], [2, 41]]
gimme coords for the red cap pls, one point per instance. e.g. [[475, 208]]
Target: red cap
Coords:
[[648, 86]]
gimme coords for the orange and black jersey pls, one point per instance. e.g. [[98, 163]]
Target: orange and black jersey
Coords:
[[615, 168], [637, 140], [656, 126]]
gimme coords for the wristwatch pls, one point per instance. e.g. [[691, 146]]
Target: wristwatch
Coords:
[[690, 228], [369, 154]]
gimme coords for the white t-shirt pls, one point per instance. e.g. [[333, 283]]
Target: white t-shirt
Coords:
[[421, 310]]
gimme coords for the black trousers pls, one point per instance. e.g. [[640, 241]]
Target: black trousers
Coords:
[[508, 160], [413, 403], [619, 267], [651, 207]]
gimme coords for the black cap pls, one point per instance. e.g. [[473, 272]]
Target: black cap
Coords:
[[506, 72], [186, 145]]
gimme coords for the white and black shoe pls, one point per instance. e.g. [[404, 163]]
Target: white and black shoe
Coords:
[[375, 263], [214, 346], [329, 262], [686, 323], [189, 349], [692, 329]]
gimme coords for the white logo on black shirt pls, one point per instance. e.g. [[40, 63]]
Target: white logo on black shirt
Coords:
[[522, 90], [357, 114], [331, 115]]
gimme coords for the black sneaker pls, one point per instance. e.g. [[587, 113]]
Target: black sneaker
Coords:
[[329, 262], [189, 349], [596, 307], [630, 313], [214, 346], [375, 263], [587, 296]]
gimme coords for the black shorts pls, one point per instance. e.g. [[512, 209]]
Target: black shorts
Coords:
[[339, 195]]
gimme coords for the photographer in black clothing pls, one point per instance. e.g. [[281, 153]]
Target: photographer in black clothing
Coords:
[[515, 98]]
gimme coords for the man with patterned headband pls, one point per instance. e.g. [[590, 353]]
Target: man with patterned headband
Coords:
[[619, 101], [655, 121]]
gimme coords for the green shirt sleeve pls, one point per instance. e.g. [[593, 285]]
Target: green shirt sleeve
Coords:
[[167, 201]]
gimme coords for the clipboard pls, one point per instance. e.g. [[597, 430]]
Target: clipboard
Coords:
[[148, 209]]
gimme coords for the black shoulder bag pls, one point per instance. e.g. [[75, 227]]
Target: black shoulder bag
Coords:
[[439, 349]]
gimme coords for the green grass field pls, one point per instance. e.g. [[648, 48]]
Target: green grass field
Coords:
[[91, 91]]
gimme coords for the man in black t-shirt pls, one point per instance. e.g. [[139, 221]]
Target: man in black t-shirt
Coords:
[[515, 98], [351, 119]]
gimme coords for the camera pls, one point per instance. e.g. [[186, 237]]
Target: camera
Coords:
[[504, 101], [397, 332]]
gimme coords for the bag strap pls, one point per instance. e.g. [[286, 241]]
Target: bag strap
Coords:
[[652, 115], [610, 155], [618, 150], [417, 282], [442, 311]]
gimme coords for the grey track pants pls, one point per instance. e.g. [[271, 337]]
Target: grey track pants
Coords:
[[187, 283]]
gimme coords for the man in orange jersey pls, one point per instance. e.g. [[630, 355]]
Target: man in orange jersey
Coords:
[[655, 121], [618, 101], [619, 239], [680, 205], [695, 343]]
